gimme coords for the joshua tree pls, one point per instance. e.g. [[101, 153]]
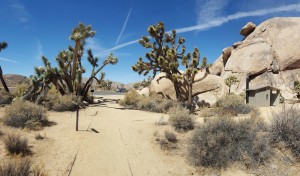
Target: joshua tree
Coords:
[[166, 51], [231, 80], [67, 77], [146, 82], [3, 45], [192, 68]]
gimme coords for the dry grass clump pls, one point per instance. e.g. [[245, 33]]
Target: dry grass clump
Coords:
[[180, 119], [152, 103], [39, 137], [167, 142], [23, 114], [5, 97], [285, 130], [56, 102], [22, 167], [223, 141], [20, 90], [170, 136], [15, 144]]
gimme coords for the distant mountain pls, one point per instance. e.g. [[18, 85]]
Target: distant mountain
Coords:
[[12, 80]]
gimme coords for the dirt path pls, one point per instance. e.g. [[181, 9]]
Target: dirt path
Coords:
[[123, 146]]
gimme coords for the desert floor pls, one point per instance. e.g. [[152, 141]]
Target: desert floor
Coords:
[[113, 141]]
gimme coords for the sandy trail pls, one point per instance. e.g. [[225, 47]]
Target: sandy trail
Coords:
[[123, 146]]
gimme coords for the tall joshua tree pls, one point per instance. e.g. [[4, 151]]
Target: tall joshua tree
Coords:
[[166, 52], [164, 55], [3, 45], [67, 77]]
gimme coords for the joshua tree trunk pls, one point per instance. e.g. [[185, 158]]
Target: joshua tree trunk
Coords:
[[190, 95], [3, 81], [75, 63], [177, 91]]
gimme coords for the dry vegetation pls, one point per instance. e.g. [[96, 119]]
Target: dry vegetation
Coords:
[[285, 131], [223, 141], [21, 167], [24, 114], [5, 98], [15, 144], [153, 103]]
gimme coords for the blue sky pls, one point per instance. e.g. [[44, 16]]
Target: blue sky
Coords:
[[36, 28]]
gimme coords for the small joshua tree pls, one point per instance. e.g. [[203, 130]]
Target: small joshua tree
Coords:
[[3, 45], [166, 52], [231, 80]]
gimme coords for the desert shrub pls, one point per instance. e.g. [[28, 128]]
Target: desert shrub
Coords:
[[20, 90], [285, 129], [222, 141], [233, 102], [39, 137], [131, 98], [171, 137], [180, 119], [65, 103], [14, 144], [23, 114], [218, 112], [21, 167], [152, 103], [56, 102], [5, 97], [16, 168]]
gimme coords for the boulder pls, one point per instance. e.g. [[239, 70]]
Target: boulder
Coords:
[[145, 91], [212, 83], [248, 29], [217, 67], [253, 57], [237, 44], [270, 55], [226, 54]]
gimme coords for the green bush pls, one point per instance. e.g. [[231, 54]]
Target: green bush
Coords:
[[14, 144], [5, 97], [180, 119], [223, 141], [23, 114], [285, 129]]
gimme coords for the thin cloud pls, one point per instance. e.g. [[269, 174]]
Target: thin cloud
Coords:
[[20, 11], [39, 49], [222, 20], [208, 10], [9, 60], [238, 15], [124, 26]]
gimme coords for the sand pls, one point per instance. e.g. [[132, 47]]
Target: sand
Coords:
[[111, 141]]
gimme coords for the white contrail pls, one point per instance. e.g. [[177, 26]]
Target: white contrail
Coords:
[[9, 60], [124, 26], [238, 15], [222, 20]]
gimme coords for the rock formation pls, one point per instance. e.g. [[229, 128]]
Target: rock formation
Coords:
[[270, 54]]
